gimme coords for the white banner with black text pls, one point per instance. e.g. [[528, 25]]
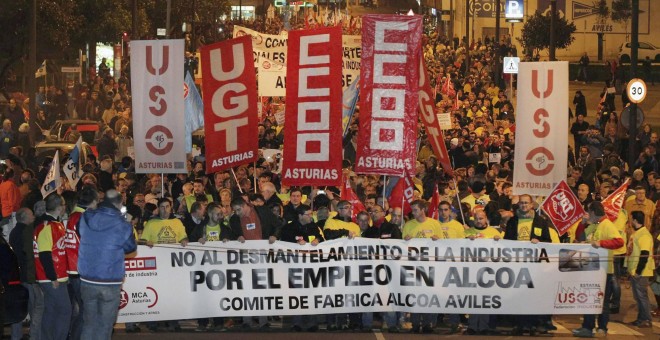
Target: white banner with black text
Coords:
[[169, 282]]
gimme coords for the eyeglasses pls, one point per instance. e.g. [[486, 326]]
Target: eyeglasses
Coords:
[[363, 221], [376, 212], [139, 201]]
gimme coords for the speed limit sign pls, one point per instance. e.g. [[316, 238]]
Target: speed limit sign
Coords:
[[636, 90]]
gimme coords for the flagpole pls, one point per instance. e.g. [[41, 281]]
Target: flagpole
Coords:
[[236, 179], [460, 206], [254, 176], [384, 186]]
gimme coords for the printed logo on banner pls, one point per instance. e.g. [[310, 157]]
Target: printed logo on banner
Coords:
[[123, 300], [578, 261], [140, 263], [579, 295], [147, 296]]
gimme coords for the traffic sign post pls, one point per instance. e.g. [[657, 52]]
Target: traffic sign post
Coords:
[[636, 90], [510, 66]]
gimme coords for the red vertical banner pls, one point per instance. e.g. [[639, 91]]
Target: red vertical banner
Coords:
[[389, 81], [313, 135], [430, 120], [230, 104]]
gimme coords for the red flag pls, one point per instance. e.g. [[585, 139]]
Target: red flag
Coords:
[[402, 194], [614, 201], [448, 87], [389, 77], [312, 144], [563, 207], [430, 119], [348, 194], [433, 205], [230, 104]]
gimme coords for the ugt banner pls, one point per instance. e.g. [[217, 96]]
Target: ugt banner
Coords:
[[312, 141], [563, 207], [230, 104], [168, 282], [389, 75], [541, 134], [159, 125]]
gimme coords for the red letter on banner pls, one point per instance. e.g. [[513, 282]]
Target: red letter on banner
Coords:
[[312, 141], [230, 104], [389, 83]]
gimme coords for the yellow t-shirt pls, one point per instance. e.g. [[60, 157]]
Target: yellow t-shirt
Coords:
[[605, 230], [164, 231], [621, 223], [642, 240], [426, 229], [488, 232], [213, 233], [335, 224], [525, 229], [452, 229]]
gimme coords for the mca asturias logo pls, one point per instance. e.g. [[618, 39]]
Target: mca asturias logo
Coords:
[[148, 296], [140, 263]]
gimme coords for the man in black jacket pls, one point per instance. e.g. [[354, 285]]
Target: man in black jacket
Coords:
[[253, 223], [304, 229]]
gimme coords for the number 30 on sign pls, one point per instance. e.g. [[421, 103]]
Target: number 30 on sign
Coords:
[[636, 90]]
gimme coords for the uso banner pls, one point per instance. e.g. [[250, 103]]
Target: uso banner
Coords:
[[541, 153], [230, 104], [389, 75], [255, 278], [312, 144], [430, 119], [157, 82]]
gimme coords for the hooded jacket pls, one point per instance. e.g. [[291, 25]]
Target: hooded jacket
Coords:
[[105, 237]]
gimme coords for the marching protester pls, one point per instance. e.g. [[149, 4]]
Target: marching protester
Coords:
[[641, 266], [106, 238]]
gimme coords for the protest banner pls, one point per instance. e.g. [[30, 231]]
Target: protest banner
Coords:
[[230, 104], [168, 282], [430, 119], [389, 76], [272, 78], [159, 126], [313, 144], [541, 153], [563, 207]]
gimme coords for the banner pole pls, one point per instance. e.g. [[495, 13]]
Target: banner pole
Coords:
[[384, 186], [162, 185], [254, 176], [236, 180], [460, 206]]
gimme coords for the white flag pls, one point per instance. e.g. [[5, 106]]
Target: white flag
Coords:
[[72, 168], [53, 179], [41, 71]]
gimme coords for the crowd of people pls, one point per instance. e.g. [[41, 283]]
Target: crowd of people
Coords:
[[250, 202]]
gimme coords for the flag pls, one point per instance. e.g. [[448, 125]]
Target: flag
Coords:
[[434, 213], [562, 207], [348, 194], [193, 109], [402, 194], [53, 179], [614, 201], [349, 99], [72, 168], [41, 72], [448, 87]]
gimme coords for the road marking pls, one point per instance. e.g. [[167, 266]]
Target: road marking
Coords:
[[379, 335], [560, 329]]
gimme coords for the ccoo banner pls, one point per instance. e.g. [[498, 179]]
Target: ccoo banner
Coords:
[[157, 78], [255, 278], [541, 154], [389, 75], [230, 104], [312, 144]]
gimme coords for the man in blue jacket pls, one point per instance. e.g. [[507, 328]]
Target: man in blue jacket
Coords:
[[105, 239]]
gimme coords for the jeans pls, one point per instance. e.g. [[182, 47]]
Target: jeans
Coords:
[[35, 309], [583, 71], [76, 308], [479, 322], [640, 285], [423, 319], [589, 321], [101, 303], [57, 311], [615, 301]]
